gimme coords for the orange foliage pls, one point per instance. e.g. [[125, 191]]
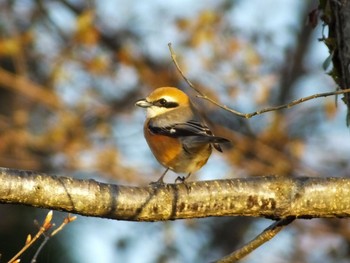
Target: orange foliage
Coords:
[[86, 31]]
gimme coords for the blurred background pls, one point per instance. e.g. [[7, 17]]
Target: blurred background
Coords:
[[70, 72]]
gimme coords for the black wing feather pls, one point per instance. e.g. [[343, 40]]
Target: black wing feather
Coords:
[[192, 130]]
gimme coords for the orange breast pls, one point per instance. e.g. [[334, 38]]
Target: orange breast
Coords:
[[165, 149], [169, 152]]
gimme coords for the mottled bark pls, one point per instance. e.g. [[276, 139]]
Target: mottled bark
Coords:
[[271, 197]]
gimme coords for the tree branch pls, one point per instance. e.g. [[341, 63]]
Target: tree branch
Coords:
[[29, 89], [271, 197], [252, 114], [338, 44], [259, 240]]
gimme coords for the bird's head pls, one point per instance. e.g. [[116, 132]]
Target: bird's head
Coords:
[[163, 100]]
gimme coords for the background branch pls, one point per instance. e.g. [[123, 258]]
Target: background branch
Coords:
[[252, 114], [259, 240], [338, 19], [29, 89]]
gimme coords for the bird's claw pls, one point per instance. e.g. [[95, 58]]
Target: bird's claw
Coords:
[[180, 179], [157, 183]]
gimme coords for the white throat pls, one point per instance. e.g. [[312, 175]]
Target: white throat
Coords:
[[154, 111]]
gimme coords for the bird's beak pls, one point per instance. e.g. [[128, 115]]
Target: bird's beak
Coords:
[[143, 103]]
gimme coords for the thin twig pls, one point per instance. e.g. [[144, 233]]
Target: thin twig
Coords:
[[284, 106], [249, 115], [39, 249], [45, 226], [259, 240], [173, 57], [66, 221], [42, 231]]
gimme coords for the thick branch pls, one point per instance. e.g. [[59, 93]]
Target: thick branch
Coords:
[[272, 197], [340, 31]]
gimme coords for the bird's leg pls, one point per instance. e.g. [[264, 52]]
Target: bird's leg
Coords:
[[160, 180], [182, 179], [187, 176]]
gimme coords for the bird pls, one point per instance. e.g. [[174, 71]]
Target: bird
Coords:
[[176, 133]]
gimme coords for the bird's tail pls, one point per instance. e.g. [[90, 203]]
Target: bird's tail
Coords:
[[217, 140]]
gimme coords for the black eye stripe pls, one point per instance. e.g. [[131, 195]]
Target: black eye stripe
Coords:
[[171, 104], [165, 104]]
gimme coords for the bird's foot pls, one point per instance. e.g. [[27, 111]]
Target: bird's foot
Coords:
[[180, 179], [159, 182]]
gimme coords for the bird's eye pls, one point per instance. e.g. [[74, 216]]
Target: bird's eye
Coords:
[[162, 102]]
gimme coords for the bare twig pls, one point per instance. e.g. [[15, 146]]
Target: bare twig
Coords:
[[30, 241], [39, 249], [67, 220], [47, 225], [259, 240], [173, 57], [249, 115]]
